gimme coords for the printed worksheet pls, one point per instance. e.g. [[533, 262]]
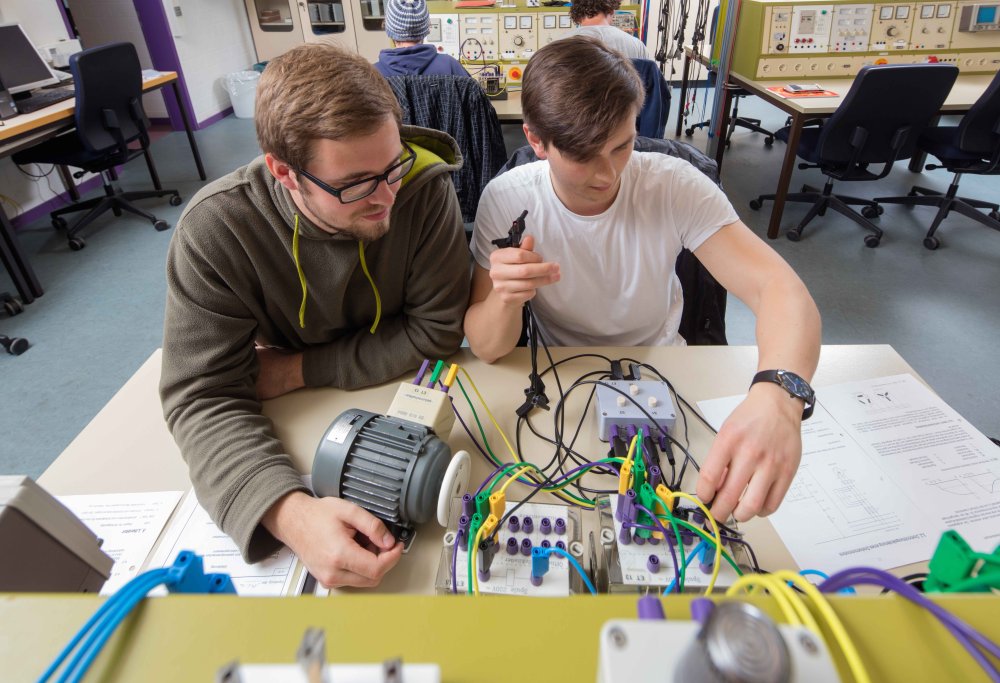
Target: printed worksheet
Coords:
[[128, 525], [192, 529], [886, 468]]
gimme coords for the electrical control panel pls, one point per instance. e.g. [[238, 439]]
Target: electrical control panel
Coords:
[[891, 27], [518, 36], [932, 26], [478, 38], [444, 34], [826, 38], [779, 21], [552, 26], [976, 25], [510, 563], [630, 563], [810, 28], [851, 31], [618, 406]]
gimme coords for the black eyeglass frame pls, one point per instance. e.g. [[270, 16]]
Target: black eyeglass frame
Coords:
[[410, 158]]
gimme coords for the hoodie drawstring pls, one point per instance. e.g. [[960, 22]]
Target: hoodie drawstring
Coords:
[[378, 299], [302, 276]]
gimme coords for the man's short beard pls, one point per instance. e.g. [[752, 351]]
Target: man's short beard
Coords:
[[362, 230]]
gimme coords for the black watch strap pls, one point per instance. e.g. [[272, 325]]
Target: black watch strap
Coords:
[[793, 384]]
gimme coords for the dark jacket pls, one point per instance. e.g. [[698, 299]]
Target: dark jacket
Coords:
[[459, 107], [417, 59], [652, 121], [703, 318], [245, 267]]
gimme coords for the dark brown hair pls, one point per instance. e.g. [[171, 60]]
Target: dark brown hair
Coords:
[[319, 92], [585, 9], [576, 91]]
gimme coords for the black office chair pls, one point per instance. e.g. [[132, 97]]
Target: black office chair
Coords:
[[879, 122], [736, 93], [108, 117], [973, 146]]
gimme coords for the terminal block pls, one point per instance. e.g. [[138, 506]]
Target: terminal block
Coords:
[[505, 562], [633, 561]]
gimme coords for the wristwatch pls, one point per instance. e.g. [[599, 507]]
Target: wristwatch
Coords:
[[793, 384]]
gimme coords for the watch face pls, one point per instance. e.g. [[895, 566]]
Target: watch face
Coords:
[[795, 385]]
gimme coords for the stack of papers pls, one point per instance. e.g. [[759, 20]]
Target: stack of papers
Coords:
[[131, 523], [887, 467]]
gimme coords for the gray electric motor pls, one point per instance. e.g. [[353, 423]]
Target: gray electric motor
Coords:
[[391, 467]]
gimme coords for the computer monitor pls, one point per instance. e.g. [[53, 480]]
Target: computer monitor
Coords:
[[21, 67]]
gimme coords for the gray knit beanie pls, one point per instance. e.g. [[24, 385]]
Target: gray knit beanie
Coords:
[[407, 21]]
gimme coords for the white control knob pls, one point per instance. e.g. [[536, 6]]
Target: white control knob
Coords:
[[892, 31], [652, 402], [519, 41], [633, 389], [621, 401]]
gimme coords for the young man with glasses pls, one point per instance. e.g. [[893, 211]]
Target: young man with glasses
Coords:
[[337, 258], [605, 225]]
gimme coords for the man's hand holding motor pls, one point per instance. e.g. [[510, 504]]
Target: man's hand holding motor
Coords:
[[325, 533]]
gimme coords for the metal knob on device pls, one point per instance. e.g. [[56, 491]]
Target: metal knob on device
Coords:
[[737, 644]]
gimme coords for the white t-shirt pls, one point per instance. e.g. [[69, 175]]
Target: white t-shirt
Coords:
[[618, 285], [616, 39]]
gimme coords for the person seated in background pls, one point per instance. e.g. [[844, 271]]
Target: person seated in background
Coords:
[[593, 18], [407, 23], [605, 225], [335, 259]]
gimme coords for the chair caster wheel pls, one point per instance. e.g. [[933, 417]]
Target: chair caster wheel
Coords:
[[793, 235], [755, 204], [161, 225], [872, 241], [689, 132], [13, 307], [15, 346], [768, 142], [76, 244], [59, 223], [872, 211], [175, 200], [932, 243]]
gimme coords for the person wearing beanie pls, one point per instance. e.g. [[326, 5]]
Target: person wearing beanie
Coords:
[[407, 23]]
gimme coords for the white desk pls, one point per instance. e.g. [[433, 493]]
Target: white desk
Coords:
[[127, 446]]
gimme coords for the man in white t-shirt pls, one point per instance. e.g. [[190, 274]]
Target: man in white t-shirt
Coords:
[[604, 228], [593, 18]]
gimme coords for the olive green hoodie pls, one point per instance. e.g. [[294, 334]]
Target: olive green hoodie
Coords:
[[237, 275]]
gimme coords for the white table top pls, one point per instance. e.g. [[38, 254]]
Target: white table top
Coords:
[[127, 447]]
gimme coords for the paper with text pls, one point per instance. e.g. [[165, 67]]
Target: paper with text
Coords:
[[192, 529], [128, 524], [886, 468]]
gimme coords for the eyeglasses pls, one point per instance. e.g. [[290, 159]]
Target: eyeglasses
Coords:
[[366, 186]]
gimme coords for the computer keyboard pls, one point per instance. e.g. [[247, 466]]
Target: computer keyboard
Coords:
[[43, 98]]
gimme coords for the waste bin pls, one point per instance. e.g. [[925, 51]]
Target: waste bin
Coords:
[[242, 89]]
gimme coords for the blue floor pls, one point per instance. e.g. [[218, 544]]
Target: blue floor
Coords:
[[102, 312]]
